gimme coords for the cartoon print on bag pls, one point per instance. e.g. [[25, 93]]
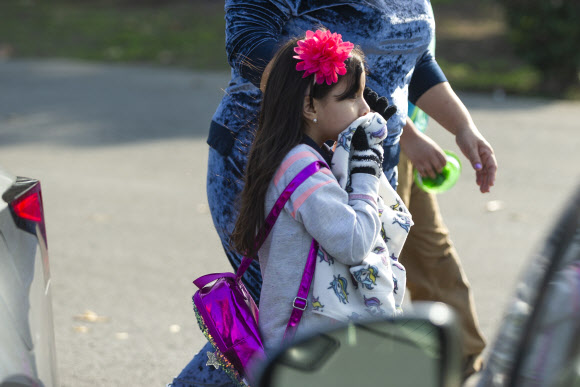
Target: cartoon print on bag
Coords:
[[367, 276], [384, 234], [353, 280], [395, 282], [378, 121], [379, 133], [394, 257], [379, 249], [373, 305], [399, 266], [325, 257], [397, 207], [339, 284], [317, 305], [344, 141], [403, 222]]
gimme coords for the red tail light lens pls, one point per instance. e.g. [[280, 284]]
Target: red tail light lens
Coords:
[[29, 205], [26, 205]]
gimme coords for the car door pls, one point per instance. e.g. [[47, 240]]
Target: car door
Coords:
[[539, 339]]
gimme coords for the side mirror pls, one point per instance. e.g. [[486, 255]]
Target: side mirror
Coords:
[[419, 349]]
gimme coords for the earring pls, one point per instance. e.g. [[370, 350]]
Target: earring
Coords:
[[314, 120]]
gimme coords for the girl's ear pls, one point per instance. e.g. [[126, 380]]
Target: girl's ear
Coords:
[[309, 109]]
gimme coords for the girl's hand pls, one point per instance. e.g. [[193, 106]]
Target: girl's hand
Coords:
[[366, 144], [481, 156]]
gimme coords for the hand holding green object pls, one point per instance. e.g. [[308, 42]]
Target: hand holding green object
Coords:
[[445, 179]]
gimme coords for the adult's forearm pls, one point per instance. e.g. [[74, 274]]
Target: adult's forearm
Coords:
[[410, 133], [442, 104]]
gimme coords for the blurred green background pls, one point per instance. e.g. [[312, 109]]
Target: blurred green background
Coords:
[[477, 43]]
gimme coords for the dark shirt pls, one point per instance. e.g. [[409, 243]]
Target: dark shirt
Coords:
[[324, 151]]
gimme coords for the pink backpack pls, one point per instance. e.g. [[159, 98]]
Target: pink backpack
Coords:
[[227, 314]]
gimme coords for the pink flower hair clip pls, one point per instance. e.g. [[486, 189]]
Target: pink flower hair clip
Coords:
[[323, 54]]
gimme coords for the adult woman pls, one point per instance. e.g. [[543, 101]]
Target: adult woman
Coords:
[[394, 36]]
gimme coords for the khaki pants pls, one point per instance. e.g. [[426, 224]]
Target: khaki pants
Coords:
[[434, 271]]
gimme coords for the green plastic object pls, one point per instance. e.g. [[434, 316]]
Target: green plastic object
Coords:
[[445, 179]]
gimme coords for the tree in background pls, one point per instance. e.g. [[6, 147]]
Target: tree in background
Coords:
[[546, 33]]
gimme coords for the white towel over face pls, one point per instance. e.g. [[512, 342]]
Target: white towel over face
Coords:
[[376, 287]]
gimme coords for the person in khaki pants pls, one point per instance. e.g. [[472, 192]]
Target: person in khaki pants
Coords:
[[434, 271]]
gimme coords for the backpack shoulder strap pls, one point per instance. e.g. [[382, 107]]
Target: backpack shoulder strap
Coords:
[[301, 300], [300, 178]]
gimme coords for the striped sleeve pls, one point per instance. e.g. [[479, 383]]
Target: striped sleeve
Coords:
[[297, 159], [344, 224]]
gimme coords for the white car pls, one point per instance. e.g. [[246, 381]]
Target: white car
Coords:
[[27, 347]]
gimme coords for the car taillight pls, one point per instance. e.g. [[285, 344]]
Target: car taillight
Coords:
[[25, 200], [29, 205]]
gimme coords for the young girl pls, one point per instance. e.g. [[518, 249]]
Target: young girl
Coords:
[[309, 99]]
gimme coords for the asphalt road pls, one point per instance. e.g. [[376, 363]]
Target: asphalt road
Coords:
[[121, 154]]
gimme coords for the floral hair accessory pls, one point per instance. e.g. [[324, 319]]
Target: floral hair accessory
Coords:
[[323, 54]]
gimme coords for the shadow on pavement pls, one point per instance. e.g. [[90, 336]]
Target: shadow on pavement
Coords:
[[83, 104], [74, 103]]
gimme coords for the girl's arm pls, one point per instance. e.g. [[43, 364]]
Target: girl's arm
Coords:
[[344, 224]]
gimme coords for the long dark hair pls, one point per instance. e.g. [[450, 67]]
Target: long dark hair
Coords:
[[280, 128]]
